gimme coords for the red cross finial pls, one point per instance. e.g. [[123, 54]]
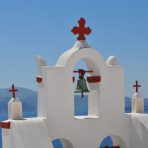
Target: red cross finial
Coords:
[[13, 90], [137, 86], [81, 30]]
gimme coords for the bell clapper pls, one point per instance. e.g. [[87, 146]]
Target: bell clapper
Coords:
[[82, 95]]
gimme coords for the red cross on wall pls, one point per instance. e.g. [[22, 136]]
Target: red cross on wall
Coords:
[[137, 86], [81, 30], [13, 90]]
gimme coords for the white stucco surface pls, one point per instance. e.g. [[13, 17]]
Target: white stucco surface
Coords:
[[139, 130], [27, 133], [56, 118]]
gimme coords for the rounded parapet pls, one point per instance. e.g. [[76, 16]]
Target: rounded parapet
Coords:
[[80, 51], [40, 62]]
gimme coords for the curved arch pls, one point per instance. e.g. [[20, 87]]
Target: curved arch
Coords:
[[116, 141], [92, 58], [66, 143], [107, 141]]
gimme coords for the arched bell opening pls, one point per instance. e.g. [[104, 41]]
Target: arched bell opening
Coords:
[[112, 141], [95, 62], [86, 86], [80, 85], [62, 143]]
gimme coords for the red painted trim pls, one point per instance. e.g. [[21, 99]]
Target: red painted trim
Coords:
[[39, 79], [5, 125], [93, 79]]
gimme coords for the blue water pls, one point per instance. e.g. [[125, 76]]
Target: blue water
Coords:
[[81, 105], [81, 108]]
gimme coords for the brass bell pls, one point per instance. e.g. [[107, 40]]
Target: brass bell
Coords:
[[81, 83]]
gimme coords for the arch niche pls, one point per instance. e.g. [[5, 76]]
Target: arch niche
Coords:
[[95, 62], [116, 141], [62, 143]]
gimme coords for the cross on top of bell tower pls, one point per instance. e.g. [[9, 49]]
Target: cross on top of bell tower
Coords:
[[81, 30], [137, 86]]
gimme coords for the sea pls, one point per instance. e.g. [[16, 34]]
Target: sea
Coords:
[[81, 108]]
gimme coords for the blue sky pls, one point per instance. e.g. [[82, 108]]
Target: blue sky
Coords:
[[31, 27]]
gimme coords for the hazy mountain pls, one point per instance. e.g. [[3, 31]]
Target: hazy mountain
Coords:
[[27, 96], [29, 100]]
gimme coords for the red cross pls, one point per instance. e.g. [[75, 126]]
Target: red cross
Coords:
[[13, 90], [81, 30], [137, 86]]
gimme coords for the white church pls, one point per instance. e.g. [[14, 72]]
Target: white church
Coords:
[[55, 114]]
